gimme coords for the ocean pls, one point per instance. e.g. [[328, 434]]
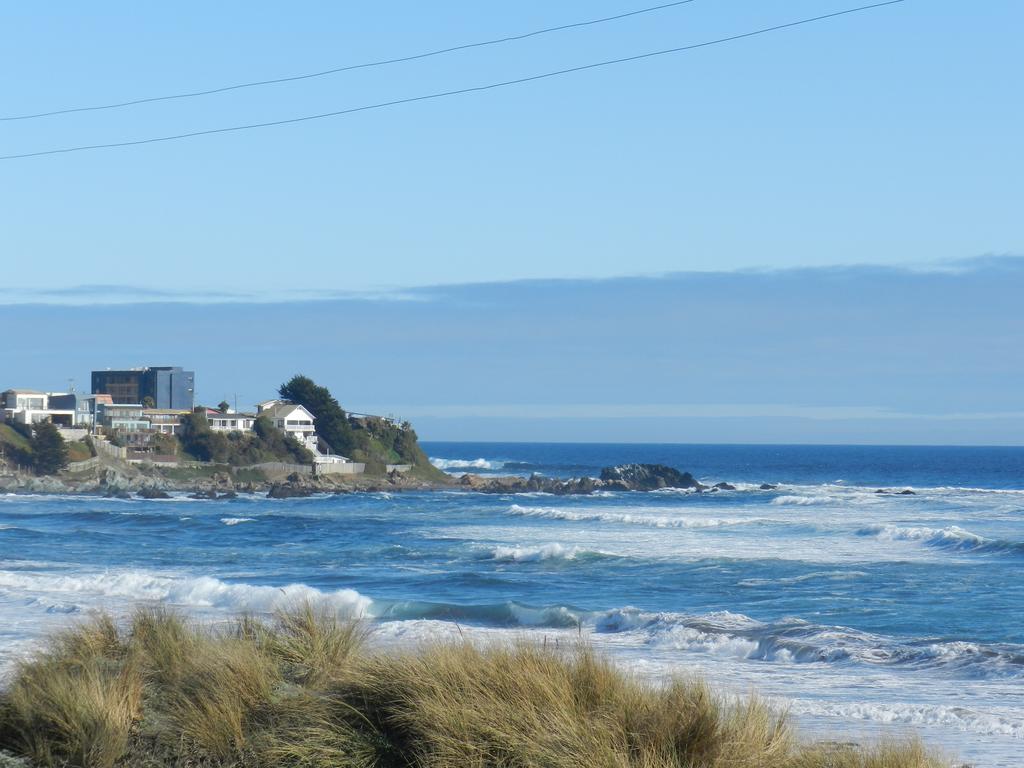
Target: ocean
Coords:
[[864, 614]]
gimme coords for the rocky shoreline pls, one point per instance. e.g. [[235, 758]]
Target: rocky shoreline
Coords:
[[131, 482], [126, 482]]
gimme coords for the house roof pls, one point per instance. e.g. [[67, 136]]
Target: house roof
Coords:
[[282, 410]]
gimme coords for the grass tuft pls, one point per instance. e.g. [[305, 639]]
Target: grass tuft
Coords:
[[75, 702], [302, 691]]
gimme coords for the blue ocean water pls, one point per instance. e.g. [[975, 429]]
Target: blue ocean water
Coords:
[[865, 614]]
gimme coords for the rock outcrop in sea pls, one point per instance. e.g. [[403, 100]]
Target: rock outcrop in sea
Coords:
[[647, 477], [626, 477]]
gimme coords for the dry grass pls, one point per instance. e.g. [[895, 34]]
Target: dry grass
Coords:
[[302, 691], [76, 702]]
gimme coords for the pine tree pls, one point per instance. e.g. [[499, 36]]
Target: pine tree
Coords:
[[331, 421], [49, 451]]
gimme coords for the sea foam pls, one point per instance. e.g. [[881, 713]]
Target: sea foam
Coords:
[[952, 538], [629, 518], [189, 592], [534, 554], [451, 464]]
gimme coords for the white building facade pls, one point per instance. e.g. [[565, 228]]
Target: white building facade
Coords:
[[230, 422], [293, 419], [28, 406]]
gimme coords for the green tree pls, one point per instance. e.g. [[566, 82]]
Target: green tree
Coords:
[[278, 446], [49, 451], [198, 440], [331, 421], [223, 406], [148, 402]]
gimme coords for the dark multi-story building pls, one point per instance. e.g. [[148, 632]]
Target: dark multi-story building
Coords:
[[167, 386]]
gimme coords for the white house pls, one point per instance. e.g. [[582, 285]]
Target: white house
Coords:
[[29, 406], [291, 418], [230, 421]]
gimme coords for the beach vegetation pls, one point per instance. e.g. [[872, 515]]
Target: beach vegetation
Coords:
[[305, 689]]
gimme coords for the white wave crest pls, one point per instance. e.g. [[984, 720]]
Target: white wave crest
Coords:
[[721, 633], [801, 501], [236, 520], [534, 554], [951, 537], [991, 723], [629, 518], [450, 464], [187, 592]]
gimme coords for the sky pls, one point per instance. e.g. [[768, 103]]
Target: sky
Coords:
[[808, 355], [462, 259]]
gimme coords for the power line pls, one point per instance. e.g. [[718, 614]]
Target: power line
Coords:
[[350, 67], [459, 91]]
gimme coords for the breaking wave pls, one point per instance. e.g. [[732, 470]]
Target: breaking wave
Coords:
[[540, 553], [952, 538], [794, 641], [236, 520], [734, 635], [452, 464], [187, 592], [723, 633], [988, 723], [802, 501]]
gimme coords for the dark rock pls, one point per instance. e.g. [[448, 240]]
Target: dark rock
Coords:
[[535, 483], [117, 493], [907, 492], [288, 491], [227, 495], [725, 487], [586, 485], [768, 487], [472, 481], [648, 477], [629, 477], [152, 493], [203, 494]]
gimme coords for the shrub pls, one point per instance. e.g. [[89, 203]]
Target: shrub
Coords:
[[49, 451]]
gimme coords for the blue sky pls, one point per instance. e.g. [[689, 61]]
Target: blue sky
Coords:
[[889, 138]]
